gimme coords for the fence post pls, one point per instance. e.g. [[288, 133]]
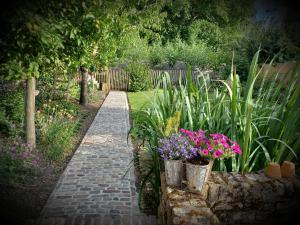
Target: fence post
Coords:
[[29, 112], [108, 82]]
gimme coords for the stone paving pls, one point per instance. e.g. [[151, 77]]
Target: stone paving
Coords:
[[93, 190]]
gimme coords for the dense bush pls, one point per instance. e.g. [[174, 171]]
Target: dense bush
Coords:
[[56, 138], [57, 122], [17, 161], [139, 77], [207, 32], [134, 48], [197, 54], [11, 112]]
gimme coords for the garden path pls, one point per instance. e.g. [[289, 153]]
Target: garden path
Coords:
[[92, 189]]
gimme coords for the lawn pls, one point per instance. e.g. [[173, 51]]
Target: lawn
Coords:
[[140, 100]]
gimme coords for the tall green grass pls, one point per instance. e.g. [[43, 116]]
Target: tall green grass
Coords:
[[265, 125]]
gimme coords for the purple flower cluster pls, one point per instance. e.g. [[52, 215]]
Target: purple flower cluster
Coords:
[[177, 147], [21, 151]]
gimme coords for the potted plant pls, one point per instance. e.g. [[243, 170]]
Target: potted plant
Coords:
[[217, 146], [173, 150]]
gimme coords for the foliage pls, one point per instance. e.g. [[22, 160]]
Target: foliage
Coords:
[[196, 54], [181, 13], [207, 32], [259, 125], [17, 161], [92, 83], [12, 105], [57, 138], [57, 124], [139, 77], [11, 112]]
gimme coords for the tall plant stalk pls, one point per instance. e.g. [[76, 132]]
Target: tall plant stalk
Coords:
[[265, 124]]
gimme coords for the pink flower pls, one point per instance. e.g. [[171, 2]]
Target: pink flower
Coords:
[[182, 130], [215, 146], [205, 152], [218, 153], [236, 149], [225, 145], [187, 132]]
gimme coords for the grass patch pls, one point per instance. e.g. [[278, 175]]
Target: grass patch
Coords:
[[140, 100]]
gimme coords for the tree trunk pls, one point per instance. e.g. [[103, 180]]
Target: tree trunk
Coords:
[[83, 87], [29, 112]]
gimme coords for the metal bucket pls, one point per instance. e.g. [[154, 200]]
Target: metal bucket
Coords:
[[197, 175], [173, 172]]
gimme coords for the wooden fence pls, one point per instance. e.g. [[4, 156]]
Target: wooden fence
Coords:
[[118, 79]]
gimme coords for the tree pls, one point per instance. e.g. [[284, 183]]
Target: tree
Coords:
[[55, 38], [27, 48]]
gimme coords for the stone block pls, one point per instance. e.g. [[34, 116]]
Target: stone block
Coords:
[[273, 170], [287, 169], [231, 198]]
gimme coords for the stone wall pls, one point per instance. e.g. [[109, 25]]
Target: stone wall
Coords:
[[230, 198]]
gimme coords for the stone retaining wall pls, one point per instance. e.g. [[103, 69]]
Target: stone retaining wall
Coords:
[[229, 198]]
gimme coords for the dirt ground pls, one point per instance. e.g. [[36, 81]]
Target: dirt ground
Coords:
[[23, 204]]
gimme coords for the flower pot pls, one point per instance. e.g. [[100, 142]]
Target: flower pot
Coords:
[[197, 175], [273, 170], [287, 169], [173, 172]]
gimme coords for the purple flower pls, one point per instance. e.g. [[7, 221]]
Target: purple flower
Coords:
[[176, 147]]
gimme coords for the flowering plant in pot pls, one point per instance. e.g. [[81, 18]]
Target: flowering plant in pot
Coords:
[[173, 150], [215, 146]]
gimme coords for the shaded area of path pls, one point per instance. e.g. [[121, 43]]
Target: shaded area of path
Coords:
[[92, 189]]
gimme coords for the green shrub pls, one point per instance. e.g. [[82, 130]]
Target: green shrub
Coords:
[[74, 91], [12, 104], [135, 47], [59, 108], [4, 124], [11, 113], [18, 162], [139, 77], [56, 126], [10, 169], [94, 95], [205, 31], [57, 138], [156, 54], [198, 54]]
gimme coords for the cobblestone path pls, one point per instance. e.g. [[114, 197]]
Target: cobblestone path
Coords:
[[92, 190]]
